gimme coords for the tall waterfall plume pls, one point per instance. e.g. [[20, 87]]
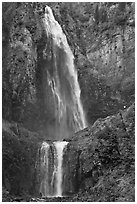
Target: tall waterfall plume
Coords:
[[62, 81]]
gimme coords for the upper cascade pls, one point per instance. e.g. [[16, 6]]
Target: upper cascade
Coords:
[[51, 25], [63, 90]]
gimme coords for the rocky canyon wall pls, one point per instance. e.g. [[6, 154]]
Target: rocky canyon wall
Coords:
[[104, 149]]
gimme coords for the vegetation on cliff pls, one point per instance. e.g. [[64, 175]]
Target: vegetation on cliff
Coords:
[[102, 39], [104, 163]]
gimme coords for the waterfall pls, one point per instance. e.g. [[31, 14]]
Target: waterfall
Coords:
[[51, 173], [59, 147], [44, 186], [62, 91], [62, 99]]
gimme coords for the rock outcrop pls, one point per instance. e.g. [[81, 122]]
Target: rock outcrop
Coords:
[[102, 157], [19, 152]]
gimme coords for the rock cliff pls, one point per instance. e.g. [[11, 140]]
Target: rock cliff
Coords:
[[19, 154], [99, 160]]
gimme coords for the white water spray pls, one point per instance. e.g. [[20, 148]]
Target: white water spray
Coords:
[[62, 78], [51, 182], [59, 148], [44, 186]]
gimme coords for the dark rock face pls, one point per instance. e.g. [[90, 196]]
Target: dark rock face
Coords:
[[19, 151], [96, 153]]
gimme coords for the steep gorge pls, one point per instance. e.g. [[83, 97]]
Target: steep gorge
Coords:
[[104, 57]]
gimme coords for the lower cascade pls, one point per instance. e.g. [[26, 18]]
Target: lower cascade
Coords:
[[59, 148], [51, 158]]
